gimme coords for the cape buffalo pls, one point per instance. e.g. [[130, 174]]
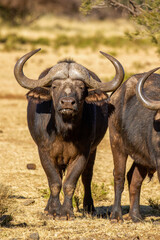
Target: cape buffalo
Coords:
[[67, 118], [135, 131]]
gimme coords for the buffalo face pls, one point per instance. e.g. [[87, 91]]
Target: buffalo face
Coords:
[[68, 97]]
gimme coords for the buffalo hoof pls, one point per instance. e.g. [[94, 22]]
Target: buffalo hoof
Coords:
[[48, 216], [52, 212], [116, 221], [136, 217], [116, 217], [66, 214], [89, 209], [52, 215]]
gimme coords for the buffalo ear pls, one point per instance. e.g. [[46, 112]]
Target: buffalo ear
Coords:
[[157, 116], [97, 97], [156, 122], [39, 95]]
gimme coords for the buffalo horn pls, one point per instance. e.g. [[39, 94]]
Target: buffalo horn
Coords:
[[93, 82], [30, 83], [108, 86], [146, 102]]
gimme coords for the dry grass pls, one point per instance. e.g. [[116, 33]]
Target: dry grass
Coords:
[[17, 148]]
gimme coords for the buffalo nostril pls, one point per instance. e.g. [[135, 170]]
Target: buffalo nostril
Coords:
[[73, 102]]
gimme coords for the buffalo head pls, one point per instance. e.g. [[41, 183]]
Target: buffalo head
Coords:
[[68, 84]]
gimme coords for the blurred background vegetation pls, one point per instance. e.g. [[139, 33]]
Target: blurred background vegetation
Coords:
[[145, 13], [17, 12], [130, 26]]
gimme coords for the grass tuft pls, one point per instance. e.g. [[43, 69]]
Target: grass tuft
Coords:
[[45, 193], [99, 192], [5, 193], [154, 204]]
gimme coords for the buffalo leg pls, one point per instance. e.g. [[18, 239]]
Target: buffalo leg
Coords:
[[55, 184], [86, 179], [74, 171], [135, 177], [119, 158]]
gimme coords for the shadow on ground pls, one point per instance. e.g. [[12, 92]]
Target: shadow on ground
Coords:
[[146, 211]]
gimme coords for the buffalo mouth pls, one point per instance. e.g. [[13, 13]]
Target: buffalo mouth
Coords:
[[67, 111]]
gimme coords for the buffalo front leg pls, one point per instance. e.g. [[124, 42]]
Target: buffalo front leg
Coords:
[[135, 176], [87, 174], [119, 158], [74, 171], [55, 184]]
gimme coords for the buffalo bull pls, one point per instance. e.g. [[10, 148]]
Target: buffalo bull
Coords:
[[67, 118], [135, 131]]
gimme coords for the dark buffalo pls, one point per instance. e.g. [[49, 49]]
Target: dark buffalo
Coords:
[[135, 131], [67, 118]]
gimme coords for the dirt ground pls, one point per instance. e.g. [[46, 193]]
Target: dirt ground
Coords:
[[27, 200]]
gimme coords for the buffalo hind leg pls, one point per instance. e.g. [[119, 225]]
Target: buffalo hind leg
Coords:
[[119, 158], [135, 176], [87, 174]]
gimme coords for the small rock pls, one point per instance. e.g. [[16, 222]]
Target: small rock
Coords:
[[1, 131], [136, 238], [17, 196], [28, 202], [14, 223], [31, 166], [44, 223], [34, 236], [23, 224]]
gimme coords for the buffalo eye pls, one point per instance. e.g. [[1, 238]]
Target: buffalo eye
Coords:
[[80, 85]]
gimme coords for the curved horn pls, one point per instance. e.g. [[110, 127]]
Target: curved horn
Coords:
[[93, 75], [22, 79], [146, 102], [93, 83], [112, 85]]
